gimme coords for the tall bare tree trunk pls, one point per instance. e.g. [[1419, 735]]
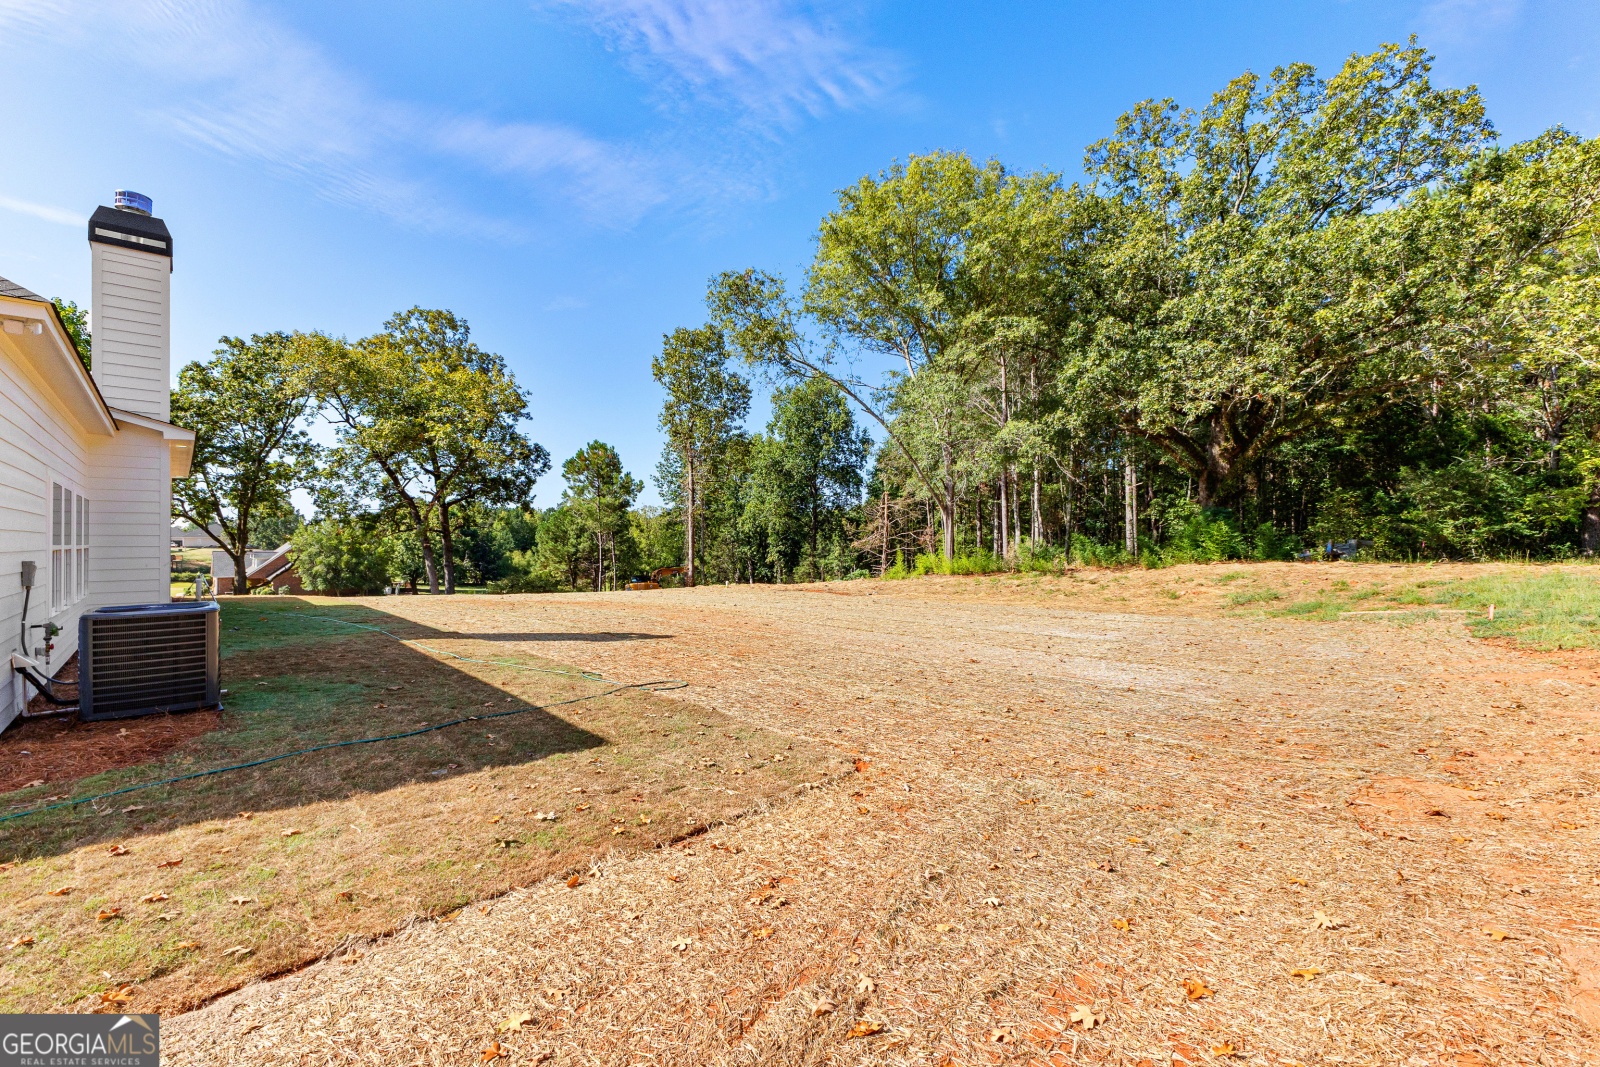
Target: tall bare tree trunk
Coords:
[[447, 542], [1130, 504], [1038, 515], [688, 514], [883, 510], [947, 505], [1590, 538], [1005, 514]]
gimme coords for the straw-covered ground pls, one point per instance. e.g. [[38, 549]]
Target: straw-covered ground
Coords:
[[1134, 821]]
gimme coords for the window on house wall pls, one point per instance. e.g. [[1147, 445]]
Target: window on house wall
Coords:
[[69, 546]]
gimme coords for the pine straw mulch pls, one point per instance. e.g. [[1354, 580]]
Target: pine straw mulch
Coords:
[[1074, 837], [162, 899]]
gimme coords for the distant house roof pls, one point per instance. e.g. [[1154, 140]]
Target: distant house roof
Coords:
[[12, 289]]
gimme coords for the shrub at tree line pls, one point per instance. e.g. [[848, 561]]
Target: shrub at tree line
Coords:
[[1313, 312]]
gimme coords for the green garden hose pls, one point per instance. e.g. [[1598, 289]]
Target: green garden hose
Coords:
[[655, 687]]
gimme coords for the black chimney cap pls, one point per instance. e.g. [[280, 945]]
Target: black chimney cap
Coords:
[[127, 229]]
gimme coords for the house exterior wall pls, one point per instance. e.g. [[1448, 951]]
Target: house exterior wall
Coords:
[[131, 329], [125, 479]]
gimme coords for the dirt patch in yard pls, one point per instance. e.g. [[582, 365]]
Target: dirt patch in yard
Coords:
[[1080, 830], [183, 891]]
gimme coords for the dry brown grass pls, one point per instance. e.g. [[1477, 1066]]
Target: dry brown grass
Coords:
[[186, 891], [1064, 808]]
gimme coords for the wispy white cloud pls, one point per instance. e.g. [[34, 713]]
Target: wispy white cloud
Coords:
[[41, 211], [1468, 21], [773, 59], [221, 74]]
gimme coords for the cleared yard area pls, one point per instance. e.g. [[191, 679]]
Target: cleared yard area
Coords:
[[160, 899], [1114, 817]]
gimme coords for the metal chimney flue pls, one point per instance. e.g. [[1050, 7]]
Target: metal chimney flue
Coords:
[[128, 200]]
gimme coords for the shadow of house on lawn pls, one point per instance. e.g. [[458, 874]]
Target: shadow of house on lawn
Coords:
[[296, 680], [601, 637]]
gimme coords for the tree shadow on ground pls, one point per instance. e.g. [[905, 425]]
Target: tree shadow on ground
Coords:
[[293, 686], [599, 637]]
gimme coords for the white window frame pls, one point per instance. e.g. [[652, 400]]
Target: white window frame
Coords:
[[69, 521]]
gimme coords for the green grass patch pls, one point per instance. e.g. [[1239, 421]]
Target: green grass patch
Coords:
[[353, 841], [1544, 610], [1254, 596]]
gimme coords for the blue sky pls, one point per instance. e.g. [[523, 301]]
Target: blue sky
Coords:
[[568, 174]]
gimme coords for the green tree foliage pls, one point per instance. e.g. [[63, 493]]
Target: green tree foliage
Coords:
[[705, 406], [247, 407], [75, 321], [340, 558], [427, 422], [599, 494], [1311, 303], [273, 527], [806, 476]]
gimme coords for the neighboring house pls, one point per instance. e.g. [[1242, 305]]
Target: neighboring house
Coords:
[[270, 567], [87, 460], [192, 536]]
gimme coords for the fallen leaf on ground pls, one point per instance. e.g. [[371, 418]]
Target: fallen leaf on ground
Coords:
[[247, 815], [1224, 1049], [153, 898], [241, 900], [20, 941], [63, 891], [169, 863], [1196, 988], [187, 945], [240, 951], [117, 996], [1438, 812], [1495, 933], [107, 914], [1002, 1035], [290, 833], [993, 902], [1299, 882], [762, 934], [574, 882], [865, 985], [865, 1028], [943, 928], [681, 944], [516, 1021], [496, 819], [1122, 924], [823, 1007], [545, 816], [1084, 1016], [1321, 921], [619, 830], [493, 1052], [118, 850], [1305, 972]]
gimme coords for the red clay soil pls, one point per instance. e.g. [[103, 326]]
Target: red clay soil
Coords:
[[60, 749]]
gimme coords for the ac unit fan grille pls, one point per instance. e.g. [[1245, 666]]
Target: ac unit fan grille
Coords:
[[144, 663]]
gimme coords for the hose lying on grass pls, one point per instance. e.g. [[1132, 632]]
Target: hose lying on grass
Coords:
[[658, 686]]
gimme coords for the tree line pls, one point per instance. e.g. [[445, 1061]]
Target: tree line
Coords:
[[1313, 313]]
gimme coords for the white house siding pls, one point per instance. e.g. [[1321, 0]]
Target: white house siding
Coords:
[[132, 300], [35, 450], [126, 481]]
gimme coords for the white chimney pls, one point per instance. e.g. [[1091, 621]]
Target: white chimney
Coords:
[[131, 258]]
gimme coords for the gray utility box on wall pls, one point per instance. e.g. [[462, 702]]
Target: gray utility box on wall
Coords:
[[147, 658]]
